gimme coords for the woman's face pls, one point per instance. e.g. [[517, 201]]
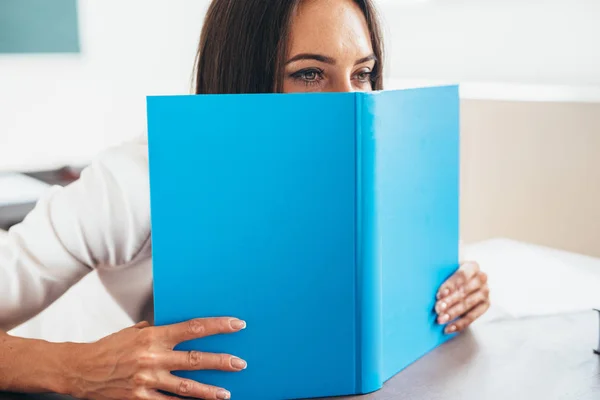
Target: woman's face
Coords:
[[330, 49]]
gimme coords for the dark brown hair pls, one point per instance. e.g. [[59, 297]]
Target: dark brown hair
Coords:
[[243, 46]]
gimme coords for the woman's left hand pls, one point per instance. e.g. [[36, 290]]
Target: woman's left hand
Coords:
[[463, 298]]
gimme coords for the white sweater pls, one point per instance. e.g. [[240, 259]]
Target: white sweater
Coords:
[[100, 222]]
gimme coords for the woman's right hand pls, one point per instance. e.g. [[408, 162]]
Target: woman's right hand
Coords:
[[136, 363]]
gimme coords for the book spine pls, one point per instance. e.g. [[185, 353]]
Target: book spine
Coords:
[[368, 268]]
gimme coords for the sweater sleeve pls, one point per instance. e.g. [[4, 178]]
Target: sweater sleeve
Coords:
[[101, 221]]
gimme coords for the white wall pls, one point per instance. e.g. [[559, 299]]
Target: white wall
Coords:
[[57, 109], [64, 109], [552, 42]]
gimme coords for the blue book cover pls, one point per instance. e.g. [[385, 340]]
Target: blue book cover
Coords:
[[327, 221]]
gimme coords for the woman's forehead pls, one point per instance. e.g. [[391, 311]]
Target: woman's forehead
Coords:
[[336, 28]]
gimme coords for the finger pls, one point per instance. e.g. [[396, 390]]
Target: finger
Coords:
[[147, 394], [154, 395], [458, 295], [142, 325], [189, 388], [464, 274], [465, 305], [199, 328], [463, 323], [196, 360]]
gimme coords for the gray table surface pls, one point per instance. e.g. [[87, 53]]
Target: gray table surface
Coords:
[[531, 358]]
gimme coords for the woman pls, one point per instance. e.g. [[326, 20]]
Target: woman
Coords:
[[102, 221]]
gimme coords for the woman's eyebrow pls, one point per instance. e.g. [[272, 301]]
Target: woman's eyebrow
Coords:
[[371, 57], [310, 56], [325, 59]]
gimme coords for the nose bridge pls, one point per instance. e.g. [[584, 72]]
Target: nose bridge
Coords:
[[343, 85]]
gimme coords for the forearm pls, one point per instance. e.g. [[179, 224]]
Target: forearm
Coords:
[[35, 366]]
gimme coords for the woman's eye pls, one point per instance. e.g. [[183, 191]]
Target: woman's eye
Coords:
[[364, 76], [309, 76]]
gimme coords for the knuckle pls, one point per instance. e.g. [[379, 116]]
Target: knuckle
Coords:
[[141, 325], [147, 336], [139, 394], [458, 311], [224, 325], [224, 361], [454, 298], [480, 298], [195, 359], [147, 359], [184, 387], [196, 327], [485, 290], [469, 302], [461, 277], [141, 380]]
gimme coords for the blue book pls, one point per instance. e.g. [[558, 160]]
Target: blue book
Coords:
[[326, 221]]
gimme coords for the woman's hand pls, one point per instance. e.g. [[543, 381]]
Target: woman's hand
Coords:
[[463, 298], [136, 363]]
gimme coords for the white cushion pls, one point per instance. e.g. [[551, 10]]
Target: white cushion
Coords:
[[531, 280]]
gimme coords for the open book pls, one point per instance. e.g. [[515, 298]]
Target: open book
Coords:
[[326, 221]]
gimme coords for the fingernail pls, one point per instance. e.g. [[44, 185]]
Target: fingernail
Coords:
[[442, 306], [237, 324], [444, 318], [451, 329], [223, 394], [443, 293], [238, 363]]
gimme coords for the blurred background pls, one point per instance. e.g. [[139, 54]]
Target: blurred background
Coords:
[[529, 72]]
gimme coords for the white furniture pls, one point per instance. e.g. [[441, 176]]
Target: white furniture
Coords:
[[531, 280]]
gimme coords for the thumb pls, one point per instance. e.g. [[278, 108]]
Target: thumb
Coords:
[[142, 325]]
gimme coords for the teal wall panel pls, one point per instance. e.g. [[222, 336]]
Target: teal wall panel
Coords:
[[39, 26]]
